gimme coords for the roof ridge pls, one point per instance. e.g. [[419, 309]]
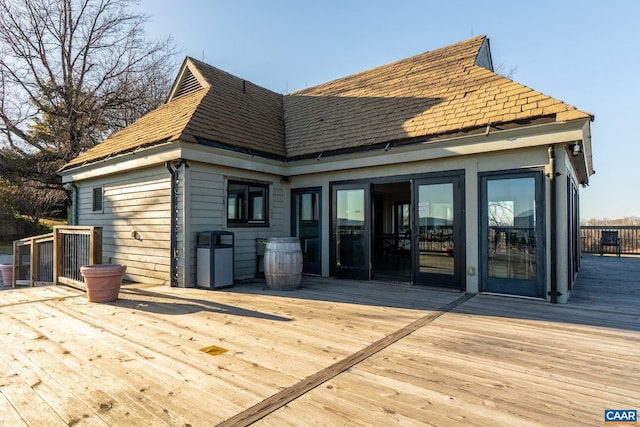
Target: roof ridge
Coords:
[[205, 66]]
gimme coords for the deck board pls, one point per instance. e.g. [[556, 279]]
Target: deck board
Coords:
[[77, 349], [491, 360]]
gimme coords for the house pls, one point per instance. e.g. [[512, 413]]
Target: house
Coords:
[[432, 170]]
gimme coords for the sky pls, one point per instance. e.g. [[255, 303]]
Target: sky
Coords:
[[585, 53]]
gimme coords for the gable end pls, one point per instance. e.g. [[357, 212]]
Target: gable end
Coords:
[[188, 84], [484, 56], [189, 80]]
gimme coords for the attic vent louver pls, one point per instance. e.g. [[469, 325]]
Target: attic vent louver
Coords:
[[189, 84]]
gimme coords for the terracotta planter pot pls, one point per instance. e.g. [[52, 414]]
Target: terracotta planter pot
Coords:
[[7, 274], [103, 281]]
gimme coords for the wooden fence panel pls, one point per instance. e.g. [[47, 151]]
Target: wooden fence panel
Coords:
[[56, 258]]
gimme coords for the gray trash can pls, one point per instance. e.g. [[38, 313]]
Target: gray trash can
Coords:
[[214, 259]]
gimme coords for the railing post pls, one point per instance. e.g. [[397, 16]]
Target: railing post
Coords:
[[95, 246], [57, 255], [15, 265], [35, 263]]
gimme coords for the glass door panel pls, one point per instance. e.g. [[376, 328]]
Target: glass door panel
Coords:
[[438, 224], [351, 231], [435, 216], [307, 227], [511, 235]]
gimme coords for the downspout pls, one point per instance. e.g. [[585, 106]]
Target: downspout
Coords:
[[173, 270], [75, 201], [75, 197], [175, 212], [553, 292]]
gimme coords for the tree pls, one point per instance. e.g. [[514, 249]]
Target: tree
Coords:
[[502, 69], [71, 73], [31, 200]]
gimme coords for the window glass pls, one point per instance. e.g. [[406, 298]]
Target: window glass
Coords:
[[308, 207], [247, 203], [257, 203], [511, 215], [402, 218], [97, 200], [351, 228]]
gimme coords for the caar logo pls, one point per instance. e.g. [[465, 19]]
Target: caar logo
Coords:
[[620, 416]]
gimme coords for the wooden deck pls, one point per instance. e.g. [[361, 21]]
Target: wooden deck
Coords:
[[331, 353]]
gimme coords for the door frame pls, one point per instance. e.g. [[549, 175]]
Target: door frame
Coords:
[[573, 231], [388, 260], [308, 267]]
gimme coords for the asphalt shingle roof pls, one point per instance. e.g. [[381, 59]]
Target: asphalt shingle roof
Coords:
[[434, 93], [163, 124], [428, 95], [238, 113]]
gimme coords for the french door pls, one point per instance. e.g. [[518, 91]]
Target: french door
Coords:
[[438, 236], [512, 234], [350, 229], [307, 227]]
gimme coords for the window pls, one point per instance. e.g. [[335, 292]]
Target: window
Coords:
[[97, 200], [247, 203], [402, 217]]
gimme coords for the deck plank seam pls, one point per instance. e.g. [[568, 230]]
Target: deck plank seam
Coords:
[[287, 395]]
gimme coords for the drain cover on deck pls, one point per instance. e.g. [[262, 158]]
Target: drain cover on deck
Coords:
[[214, 350]]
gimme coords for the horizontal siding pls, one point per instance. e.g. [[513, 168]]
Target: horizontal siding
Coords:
[[207, 211], [135, 221]]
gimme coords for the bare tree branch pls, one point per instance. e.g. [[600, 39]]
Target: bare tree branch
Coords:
[[77, 60], [71, 73]]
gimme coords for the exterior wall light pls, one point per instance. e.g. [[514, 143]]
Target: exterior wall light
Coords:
[[576, 150]]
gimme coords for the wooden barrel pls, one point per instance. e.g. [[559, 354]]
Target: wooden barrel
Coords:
[[283, 263]]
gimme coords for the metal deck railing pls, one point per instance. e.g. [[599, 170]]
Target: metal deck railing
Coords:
[[629, 235]]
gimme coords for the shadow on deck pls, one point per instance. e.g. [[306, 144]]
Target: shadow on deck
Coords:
[[606, 293], [333, 352]]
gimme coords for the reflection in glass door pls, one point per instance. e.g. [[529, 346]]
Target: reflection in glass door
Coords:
[[439, 217], [511, 234], [350, 234], [306, 225]]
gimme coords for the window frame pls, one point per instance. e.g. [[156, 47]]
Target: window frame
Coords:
[[95, 198], [244, 202]]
